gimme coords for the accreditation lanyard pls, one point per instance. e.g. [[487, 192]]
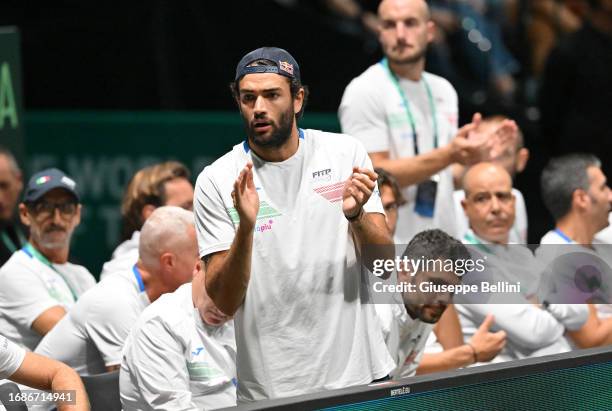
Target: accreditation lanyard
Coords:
[[34, 253], [8, 242], [406, 105], [138, 276], [475, 242], [563, 236]]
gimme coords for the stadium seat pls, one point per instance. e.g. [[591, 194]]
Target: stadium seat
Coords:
[[5, 395], [103, 391]]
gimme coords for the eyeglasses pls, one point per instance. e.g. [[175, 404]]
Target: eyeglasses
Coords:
[[45, 209], [485, 199]]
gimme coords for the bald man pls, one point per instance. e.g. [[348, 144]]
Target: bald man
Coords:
[[408, 119], [531, 330], [513, 156], [90, 337]]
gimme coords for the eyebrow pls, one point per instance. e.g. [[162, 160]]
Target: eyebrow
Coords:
[[267, 90]]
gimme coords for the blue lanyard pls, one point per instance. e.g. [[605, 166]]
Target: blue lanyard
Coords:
[[138, 276], [406, 105], [563, 236], [34, 253]]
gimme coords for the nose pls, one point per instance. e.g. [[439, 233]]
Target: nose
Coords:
[[400, 30], [495, 205], [57, 216], [259, 106]]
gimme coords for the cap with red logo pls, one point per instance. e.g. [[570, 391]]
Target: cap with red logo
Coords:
[[44, 181], [285, 63]]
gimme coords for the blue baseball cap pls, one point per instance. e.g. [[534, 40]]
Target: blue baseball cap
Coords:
[[44, 181], [285, 63]]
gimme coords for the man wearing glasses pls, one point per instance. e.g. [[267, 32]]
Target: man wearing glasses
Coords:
[[38, 284]]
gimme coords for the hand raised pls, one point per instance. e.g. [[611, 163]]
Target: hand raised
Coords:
[[246, 199], [357, 191], [487, 344]]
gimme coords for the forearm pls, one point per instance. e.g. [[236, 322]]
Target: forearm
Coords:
[[227, 277], [371, 229], [67, 379], [413, 170], [446, 360], [595, 332]]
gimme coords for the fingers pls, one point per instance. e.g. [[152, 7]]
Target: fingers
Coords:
[[487, 323], [465, 131]]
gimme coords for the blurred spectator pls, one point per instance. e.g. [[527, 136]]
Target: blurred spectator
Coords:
[[154, 186], [181, 354], [38, 284], [90, 337], [576, 92], [477, 30], [11, 185]]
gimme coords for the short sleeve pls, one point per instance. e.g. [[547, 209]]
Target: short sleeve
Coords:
[[214, 226], [11, 357], [23, 296], [362, 116]]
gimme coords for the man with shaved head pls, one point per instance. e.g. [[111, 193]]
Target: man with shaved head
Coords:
[[531, 331], [407, 119]]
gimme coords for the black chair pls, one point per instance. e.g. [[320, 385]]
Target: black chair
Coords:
[[7, 391], [103, 391]]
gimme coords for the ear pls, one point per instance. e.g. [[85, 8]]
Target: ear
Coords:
[[77, 216], [24, 216], [521, 160], [146, 212], [198, 267], [431, 31], [298, 101], [580, 199], [167, 261]]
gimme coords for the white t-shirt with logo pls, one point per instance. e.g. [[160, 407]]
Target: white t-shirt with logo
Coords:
[[303, 326], [123, 258], [405, 338], [11, 357], [173, 361], [90, 337], [518, 232], [28, 287], [372, 110]]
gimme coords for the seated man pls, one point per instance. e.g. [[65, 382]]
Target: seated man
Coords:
[[38, 284], [483, 346], [531, 330], [576, 193], [511, 154], [90, 337], [151, 187], [181, 354], [36, 371], [11, 184]]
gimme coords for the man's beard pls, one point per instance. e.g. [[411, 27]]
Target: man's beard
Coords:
[[280, 133], [410, 60]]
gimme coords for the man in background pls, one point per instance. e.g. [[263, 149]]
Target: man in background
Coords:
[[11, 183]]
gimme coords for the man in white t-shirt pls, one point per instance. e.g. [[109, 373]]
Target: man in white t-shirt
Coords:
[[34, 370], [576, 193], [90, 337], [407, 120], [279, 220], [153, 186], [511, 155], [180, 355], [531, 330], [37, 284]]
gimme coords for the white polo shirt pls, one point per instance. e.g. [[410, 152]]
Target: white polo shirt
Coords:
[[123, 258], [172, 360], [90, 337], [303, 326], [28, 287], [405, 338], [372, 110]]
